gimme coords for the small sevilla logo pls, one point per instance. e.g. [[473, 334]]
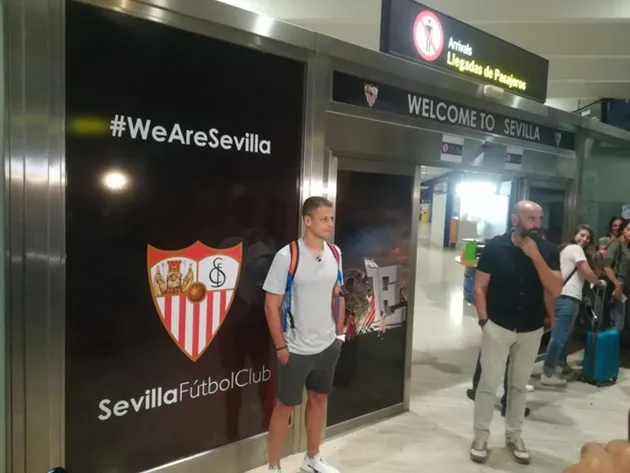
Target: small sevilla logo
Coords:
[[371, 93], [193, 289]]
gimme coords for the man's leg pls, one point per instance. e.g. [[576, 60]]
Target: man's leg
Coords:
[[505, 383], [523, 356], [495, 347], [505, 392], [477, 375], [319, 385], [315, 421], [475, 382], [291, 379]]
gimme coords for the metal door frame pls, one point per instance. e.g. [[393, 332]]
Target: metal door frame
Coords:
[[570, 189], [35, 186]]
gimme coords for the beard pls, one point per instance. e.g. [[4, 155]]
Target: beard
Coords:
[[533, 233]]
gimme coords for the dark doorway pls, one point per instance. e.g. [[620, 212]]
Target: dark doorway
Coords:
[[552, 202]]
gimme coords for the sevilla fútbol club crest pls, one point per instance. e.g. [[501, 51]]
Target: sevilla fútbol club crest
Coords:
[[193, 289]]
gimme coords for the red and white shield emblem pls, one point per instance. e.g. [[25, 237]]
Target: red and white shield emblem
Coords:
[[193, 289]]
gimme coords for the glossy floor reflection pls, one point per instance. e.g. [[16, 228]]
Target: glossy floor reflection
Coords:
[[436, 434]]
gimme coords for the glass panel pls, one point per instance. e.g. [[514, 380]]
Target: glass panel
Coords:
[[605, 190], [169, 240], [552, 203], [373, 231], [606, 197]]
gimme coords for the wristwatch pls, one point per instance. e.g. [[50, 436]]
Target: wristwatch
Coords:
[[483, 322], [342, 337]]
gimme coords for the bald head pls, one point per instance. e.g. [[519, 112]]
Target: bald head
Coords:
[[526, 206], [527, 218]]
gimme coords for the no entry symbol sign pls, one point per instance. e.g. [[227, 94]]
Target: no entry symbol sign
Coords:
[[428, 35]]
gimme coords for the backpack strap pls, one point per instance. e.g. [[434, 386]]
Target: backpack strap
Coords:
[[294, 250], [571, 274], [337, 256]]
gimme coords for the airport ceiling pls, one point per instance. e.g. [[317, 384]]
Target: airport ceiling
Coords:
[[587, 43]]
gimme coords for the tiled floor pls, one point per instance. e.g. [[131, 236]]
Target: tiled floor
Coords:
[[436, 434]]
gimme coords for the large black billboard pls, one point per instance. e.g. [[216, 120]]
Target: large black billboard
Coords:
[[183, 163], [422, 34]]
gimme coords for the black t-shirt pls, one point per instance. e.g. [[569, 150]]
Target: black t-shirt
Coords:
[[516, 298]]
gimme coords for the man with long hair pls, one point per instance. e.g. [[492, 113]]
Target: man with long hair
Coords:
[[513, 274]]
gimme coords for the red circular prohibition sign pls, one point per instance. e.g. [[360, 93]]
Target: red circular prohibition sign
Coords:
[[428, 35]]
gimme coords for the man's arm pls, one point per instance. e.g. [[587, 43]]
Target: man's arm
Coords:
[[273, 302], [485, 267], [275, 287], [339, 309], [482, 280], [338, 300], [551, 280], [550, 307], [548, 271]]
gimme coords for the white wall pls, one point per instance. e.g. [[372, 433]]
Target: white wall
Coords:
[[438, 219]]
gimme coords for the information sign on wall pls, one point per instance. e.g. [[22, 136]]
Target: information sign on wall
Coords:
[[419, 33]]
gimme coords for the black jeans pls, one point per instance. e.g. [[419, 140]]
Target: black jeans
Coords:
[[477, 377]]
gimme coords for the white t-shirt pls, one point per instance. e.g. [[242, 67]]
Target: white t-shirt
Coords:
[[569, 258], [312, 297]]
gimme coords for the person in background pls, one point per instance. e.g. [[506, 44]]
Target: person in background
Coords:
[[617, 268], [513, 274], [577, 263], [613, 233]]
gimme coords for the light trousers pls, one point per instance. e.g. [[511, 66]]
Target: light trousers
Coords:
[[497, 344]]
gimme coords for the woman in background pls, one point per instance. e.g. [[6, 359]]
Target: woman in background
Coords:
[[617, 268], [613, 233], [577, 263]]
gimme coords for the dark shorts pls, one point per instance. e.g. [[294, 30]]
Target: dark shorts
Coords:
[[315, 372]]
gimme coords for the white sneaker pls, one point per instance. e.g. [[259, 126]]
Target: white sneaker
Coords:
[[518, 450], [552, 380], [530, 388], [274, 469], [317, 465], [479, 451]]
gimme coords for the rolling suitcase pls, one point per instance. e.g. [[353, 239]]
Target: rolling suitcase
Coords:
[[602, 350]]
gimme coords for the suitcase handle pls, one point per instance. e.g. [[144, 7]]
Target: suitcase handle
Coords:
[[597, 310]]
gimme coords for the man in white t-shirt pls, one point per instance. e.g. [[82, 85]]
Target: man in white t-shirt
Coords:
[[308, 345], [575, 270]]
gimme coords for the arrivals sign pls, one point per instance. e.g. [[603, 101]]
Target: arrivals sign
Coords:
[[356, 91], [419, 33]]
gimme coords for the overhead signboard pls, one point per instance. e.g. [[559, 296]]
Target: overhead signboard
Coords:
[[354, 90], [419, 33]]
